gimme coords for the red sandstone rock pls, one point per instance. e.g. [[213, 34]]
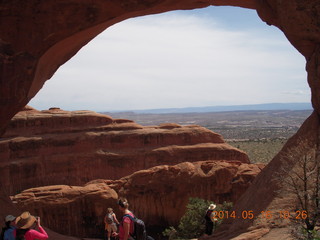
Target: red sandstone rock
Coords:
[[27, 62], [267, 194], [59, 147], [158, 195], [32, 122], [76, 211]]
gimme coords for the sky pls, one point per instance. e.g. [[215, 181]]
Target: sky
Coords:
[[205, 57]]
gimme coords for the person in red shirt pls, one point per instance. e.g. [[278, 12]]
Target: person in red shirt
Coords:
[[26, 224], [126, 227]]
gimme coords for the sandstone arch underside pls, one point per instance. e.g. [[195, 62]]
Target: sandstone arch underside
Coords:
[[39, 36]]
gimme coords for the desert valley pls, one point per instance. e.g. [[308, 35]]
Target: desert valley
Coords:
[[84, 161], [68, 167]]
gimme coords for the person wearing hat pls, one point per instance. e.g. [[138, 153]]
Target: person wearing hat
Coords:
[[209, 219], [7, 231], [26, 224]]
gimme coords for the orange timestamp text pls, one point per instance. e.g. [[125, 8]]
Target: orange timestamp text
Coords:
[[249, 214]]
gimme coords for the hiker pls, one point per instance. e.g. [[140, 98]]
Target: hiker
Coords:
[[110, 221], [26, 224], [209, 219], [126, 225], [10, 226]]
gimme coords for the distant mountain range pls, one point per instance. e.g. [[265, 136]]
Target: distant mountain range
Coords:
[[253, 107]]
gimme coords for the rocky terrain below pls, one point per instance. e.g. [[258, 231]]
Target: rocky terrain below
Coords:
[[30, 57], [158, 195], [59, 147], [68, 167]]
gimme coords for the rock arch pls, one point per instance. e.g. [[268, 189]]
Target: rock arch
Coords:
[[41, 37], [37, 37]]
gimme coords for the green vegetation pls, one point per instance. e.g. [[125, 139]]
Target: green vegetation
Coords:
[[262, 150], [192, 224], [311, 234], [300, 233], [303, 183]]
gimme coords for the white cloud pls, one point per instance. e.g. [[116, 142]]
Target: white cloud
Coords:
[[177, 60]]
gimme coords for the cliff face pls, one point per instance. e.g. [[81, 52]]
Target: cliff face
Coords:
[[30, 53], [71, 210], [51, 147], [157, 195], [59, 147], [267, 193], [66, 27]]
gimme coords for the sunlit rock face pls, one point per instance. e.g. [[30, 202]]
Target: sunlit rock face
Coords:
[[158, 195], [30, 53], [60, 147]]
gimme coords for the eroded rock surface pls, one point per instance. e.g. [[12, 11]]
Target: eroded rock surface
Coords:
[[268, 194], [71, 210], [59, 147], [30, 53], [66, 27], [158, 195]]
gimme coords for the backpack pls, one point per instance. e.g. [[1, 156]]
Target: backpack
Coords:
[[109, 218], [2, 233], [208, 215], [139, 228], [20, 234]]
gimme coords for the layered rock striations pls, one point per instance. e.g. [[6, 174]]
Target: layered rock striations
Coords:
[[30, 56], [59, 147], [32, 52], [66, 27], [72, 210], [158, 195]]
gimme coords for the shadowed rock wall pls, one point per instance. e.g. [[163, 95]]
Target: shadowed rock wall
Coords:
[[158, 195], [32, 52], [44, 35], [265, 195]]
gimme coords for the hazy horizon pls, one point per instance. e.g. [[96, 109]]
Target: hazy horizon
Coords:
[[261, 106], [244, 107], [204, 57]]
